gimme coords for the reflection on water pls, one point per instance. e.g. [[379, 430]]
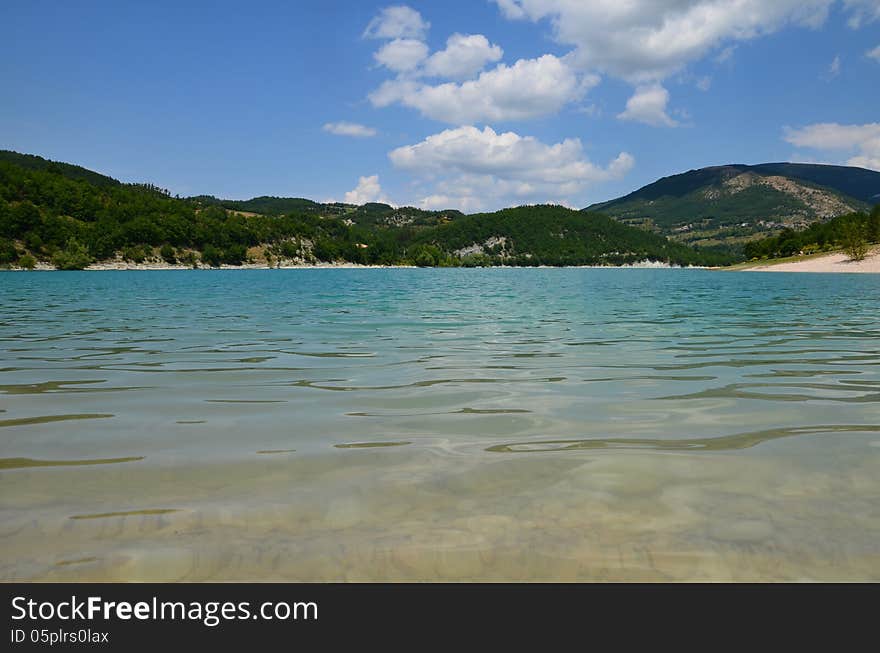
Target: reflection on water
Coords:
[[439, 424], [367, 445], [127, 513], [20, 463], [723, 443], [45, 419], [77, 561]]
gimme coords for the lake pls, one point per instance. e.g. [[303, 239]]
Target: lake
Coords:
[[439, 424]]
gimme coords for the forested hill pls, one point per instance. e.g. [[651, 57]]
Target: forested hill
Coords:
[[734, 204], [71, 217], [31, 162]]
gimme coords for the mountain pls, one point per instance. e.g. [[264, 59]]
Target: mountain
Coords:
[[70, 216], [735, 203], [369, 213], [556, 235], [32, 162]]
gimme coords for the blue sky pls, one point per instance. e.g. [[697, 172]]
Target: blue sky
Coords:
[[466, 104]]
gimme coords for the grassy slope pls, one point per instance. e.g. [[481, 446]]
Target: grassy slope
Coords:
[[681, 199]]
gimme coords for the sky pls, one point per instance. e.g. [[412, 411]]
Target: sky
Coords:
[[467, 104]]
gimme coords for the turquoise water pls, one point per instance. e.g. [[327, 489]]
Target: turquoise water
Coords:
[[415, 424]]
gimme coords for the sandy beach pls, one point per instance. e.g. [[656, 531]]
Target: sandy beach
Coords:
[[837, 262]]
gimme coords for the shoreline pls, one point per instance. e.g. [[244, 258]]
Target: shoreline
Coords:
[[155, 267], [830, 263], [825, 263]]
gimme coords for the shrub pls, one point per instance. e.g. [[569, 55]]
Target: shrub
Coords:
[[27, 262], [74, 257], [874, 225], [212, 256], [854, 242], [167, 253], [134, 254], [8, 252], [234, 255], [189, 258], [289, 249]]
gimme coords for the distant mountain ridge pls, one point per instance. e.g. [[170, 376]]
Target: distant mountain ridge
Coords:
[[53, 211], [69, 217], [733, 202]]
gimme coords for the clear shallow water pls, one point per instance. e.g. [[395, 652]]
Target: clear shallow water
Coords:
[[498, 424]]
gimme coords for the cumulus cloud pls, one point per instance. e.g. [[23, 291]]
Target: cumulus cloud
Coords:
[[464, 56], [874, 54], [470, 167], [862, 141], [367, 190], [349, 129], [397, 22], [402, 55], [439, 201], [862, 12], [645, 40], [528, 88], [648, 106]]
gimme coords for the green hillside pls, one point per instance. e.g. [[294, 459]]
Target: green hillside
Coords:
[[266, 205], [70, 217], [555, 235], [731, 205], [839, 233], [31, 162]]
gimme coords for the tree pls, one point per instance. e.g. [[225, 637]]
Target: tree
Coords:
[[234, 255], [74, 257], [854, 243], [25, 217], [874, 225], [167, 253], [27, 262], [8, 252], [212, 256]]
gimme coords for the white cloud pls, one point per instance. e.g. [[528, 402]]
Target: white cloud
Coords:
[[863, 141], [529, 88], [511, 9], [464, 56], [349, 129], [726, 54], [438, 202], [471, 168], [646, 40], [834, 68], [397, 22], [648, 106], [874, 54], [704, 83], [862, 12], [402, 55], [832, 136], [367, 190]]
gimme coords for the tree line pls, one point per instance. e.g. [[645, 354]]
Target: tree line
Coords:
[[852, 233], [70, 217]]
